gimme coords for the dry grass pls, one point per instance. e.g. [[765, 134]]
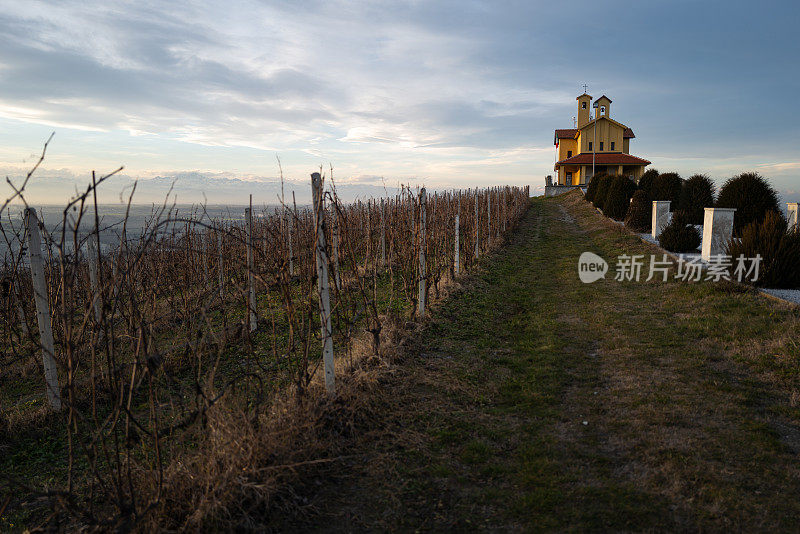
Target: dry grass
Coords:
[[688, 391]]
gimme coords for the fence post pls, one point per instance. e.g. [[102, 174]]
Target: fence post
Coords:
[[422, 270], [220, 269], [335, 248], [477, 226], [251, 282], [323, 284], [42, 308], [204, 252], [93, 278], [488, 217], [383, 235], [291, 228], [16, 281], [457, 252]]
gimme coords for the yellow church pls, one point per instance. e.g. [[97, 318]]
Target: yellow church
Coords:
[[597, 144]]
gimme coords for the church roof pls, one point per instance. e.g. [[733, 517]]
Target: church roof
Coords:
[[568, 133], [602, 97], [603, 158], [603, 118], [628, 134]]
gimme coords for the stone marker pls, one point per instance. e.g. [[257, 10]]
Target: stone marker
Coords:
[[661, 216], [717, 231]]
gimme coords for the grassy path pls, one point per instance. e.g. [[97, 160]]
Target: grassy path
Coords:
[[536, 402]]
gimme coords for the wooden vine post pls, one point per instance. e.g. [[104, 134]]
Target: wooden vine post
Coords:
[[335, 247], [383, 235], [457, 251], [323, 284], [42, 308], [93, 278], [477, 227], [220, 269], [422, 270], [251, 281]]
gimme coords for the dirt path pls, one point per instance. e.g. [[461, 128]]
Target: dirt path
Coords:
[[536, 402]]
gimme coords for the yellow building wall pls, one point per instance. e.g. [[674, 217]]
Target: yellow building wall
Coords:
[[564, 146], [626, 146], [562, 175], [606, 132]]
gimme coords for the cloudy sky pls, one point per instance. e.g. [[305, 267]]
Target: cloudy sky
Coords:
[[447, 93]]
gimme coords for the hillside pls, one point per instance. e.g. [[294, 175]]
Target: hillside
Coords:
[[534, 401]]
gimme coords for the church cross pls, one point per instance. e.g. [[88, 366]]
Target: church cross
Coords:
[[585, 87]]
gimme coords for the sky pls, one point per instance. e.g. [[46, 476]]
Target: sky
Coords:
[[447, 94]]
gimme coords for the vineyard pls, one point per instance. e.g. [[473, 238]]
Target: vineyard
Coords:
[[148, 385]]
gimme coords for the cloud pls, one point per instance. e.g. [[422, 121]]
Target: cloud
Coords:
[[445, 92]]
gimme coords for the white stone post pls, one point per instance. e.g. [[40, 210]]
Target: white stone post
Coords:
[[660, 217], [42, 309], [792, 208], [717, 231], [323, 284]]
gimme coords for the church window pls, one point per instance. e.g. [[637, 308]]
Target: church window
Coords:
[[590, 146], [612, 146], [583, 105], [601, 146]]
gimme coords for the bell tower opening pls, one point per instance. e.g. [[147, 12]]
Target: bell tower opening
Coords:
[[584, 104]]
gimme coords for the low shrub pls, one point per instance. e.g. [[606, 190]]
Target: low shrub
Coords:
[[780, 252], [667, 187], [751, 195], [640, 212], [602, 191], [697, 194], [591, 189], [618, 198], [646, 181], [679, 235]]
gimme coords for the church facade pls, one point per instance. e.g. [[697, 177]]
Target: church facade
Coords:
[[597, 144]]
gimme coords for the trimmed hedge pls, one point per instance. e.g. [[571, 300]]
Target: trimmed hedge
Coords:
[[646, 182], [602, 191], [667, 187], [640, 212], [697, 194], [751, 195], [780, 252], [618, 199], [591, 189], [679, 235]]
